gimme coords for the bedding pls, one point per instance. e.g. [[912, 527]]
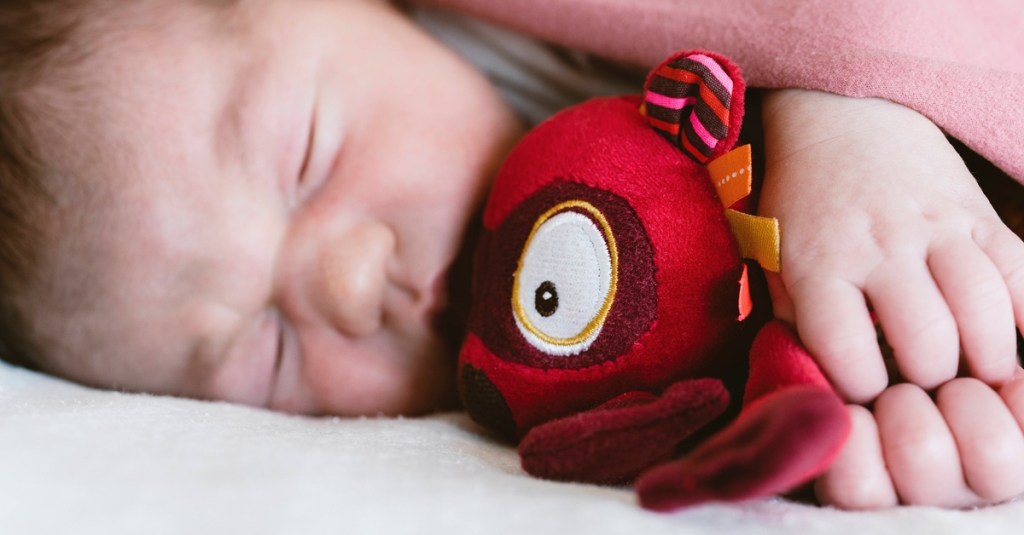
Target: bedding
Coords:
[[77, 460], [958, 62]]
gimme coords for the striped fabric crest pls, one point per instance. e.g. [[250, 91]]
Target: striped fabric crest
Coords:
[[687, 101]]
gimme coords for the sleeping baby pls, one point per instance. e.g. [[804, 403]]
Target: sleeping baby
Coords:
[[269, 202]]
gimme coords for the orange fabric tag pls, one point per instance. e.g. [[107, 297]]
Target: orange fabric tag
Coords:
[[731, 175], [746, 304], [758, 238]]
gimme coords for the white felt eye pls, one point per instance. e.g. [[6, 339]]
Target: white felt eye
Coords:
[[565, 283]]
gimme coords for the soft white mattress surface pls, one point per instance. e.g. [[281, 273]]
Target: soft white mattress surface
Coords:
[[75, 460]]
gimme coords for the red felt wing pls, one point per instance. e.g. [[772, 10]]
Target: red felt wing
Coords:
[[618, 440], [791, 428], [783, 441]]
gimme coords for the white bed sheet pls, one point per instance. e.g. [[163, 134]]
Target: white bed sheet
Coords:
[[76, 460]]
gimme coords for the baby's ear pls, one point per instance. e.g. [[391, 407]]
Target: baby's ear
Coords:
[[695, 100]]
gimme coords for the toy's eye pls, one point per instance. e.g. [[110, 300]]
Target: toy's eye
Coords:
[[566, 279]]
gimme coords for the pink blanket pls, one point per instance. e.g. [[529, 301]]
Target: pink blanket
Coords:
[[958, 62]]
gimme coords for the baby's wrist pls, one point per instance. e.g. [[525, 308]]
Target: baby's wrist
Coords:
[[795, 119]]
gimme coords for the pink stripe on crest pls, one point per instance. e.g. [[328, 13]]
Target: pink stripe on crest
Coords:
[[715, 69], [702, 132], [670, 102]]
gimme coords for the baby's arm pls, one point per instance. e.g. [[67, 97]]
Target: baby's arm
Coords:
[[879, 214]]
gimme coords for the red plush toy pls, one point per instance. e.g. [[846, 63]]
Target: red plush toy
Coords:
[[607, 332]]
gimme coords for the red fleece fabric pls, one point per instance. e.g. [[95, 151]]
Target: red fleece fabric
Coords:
[[604, 146], [777, 444], [618, 440]]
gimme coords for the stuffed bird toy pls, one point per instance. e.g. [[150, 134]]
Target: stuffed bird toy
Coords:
[[610, 332]]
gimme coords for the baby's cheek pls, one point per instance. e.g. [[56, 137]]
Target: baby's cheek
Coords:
[[374, 376]]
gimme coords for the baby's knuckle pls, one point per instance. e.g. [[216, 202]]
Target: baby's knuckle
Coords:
[[961, 386], [860, 416], [913, 441], [845, 349], [915, 445], [891, 240], [1013, 271], [992, 455], [996, 366], [988, 290], [855, 493], [927, 374], [898, 394], [994, 448], [1005, 248], [936, 328], [990, 230], [999, 485], [841, 356], [1013, 396], [853, 481], [949, 215]]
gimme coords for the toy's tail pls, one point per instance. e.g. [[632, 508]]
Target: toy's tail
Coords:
[[695, 100]]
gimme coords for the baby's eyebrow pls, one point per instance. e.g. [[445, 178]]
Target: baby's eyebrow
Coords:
[[240, 128], [229, 132], [245, 77]]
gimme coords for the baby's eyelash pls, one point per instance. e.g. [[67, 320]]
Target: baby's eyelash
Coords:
[[279, 355], [310, 144]]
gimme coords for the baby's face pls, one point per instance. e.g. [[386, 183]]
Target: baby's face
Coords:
[[289, 187]]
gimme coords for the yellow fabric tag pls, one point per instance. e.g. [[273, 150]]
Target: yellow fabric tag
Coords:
[[758, 238], [731, 175]]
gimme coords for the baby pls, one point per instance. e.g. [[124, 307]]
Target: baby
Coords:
[[264, 202]]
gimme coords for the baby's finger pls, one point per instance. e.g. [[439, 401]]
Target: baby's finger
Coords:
[[857, 478], [916, 321], [1012, 394], [834, 324], [919, 449], [1007, 253], [987, 436], [980, 303]]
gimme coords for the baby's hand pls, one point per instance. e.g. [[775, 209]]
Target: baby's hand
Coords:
[[963, 448], [881, 220], [878, 212]]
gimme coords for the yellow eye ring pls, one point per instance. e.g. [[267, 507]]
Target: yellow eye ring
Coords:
[[575, 343]]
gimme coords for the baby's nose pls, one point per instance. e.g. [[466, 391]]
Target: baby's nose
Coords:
[[353, 271]]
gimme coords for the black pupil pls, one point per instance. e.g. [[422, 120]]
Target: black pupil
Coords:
[[545, 299]]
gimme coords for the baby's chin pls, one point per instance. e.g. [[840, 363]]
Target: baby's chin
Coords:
[[400, 381]]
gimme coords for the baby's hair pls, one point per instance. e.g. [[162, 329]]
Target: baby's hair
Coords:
[[34, 35], [41, 44]]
